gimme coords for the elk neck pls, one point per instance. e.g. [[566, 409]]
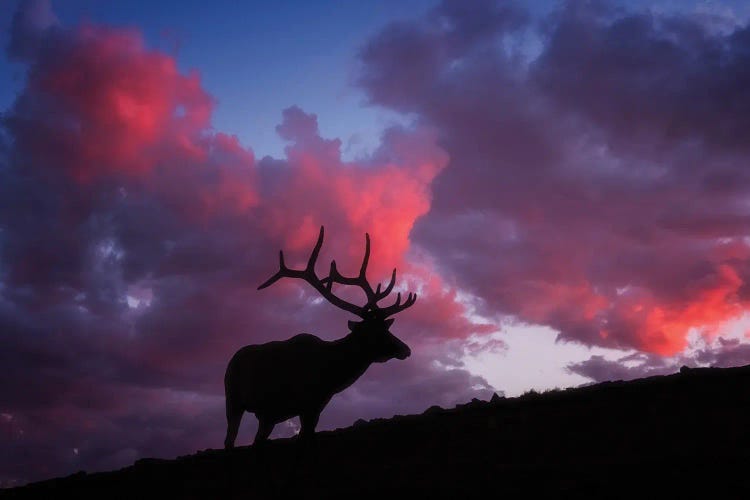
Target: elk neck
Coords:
[[352, 357]]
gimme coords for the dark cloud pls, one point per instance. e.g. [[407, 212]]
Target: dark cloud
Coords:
[[723, 353], [600, 369], [650, 80]]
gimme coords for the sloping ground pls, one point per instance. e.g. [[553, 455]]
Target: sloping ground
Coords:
[[679, 435]]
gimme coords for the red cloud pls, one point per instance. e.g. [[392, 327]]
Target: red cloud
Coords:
[[100, 105], [114, 105], [662, 326]]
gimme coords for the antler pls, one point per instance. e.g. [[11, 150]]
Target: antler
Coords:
[[324, 286], [308, 274]]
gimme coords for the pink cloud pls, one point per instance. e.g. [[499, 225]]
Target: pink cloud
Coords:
[[116, 103], [383, 196]]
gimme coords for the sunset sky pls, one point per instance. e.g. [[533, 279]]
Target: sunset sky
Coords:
[[565, 184]]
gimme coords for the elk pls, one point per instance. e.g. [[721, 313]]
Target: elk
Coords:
[[298, 376]]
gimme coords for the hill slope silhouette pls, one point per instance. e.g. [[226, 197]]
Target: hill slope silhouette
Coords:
[[681, 434]]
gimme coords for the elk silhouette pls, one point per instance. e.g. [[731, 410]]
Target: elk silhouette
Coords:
[[299, 376]]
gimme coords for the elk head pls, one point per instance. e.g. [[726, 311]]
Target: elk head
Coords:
[[373, 330], [376, 339]]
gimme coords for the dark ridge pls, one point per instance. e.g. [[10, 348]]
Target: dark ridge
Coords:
[[679, 435]]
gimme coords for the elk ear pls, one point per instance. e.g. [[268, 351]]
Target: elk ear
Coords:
[[389, 322], [354, 324]]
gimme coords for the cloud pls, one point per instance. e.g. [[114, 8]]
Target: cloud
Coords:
[[600, 369], [133, 237], [721, 352], [596, 182]]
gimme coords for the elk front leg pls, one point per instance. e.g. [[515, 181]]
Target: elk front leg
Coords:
[[307, 446]]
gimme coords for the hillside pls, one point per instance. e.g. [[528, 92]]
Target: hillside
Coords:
[[683, 434]]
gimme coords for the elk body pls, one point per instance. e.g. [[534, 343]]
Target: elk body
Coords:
[[299, 376]]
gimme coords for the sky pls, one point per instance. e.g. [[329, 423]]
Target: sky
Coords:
[[564, 184]]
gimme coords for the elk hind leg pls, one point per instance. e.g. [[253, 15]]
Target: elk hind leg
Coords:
[[234, 417]]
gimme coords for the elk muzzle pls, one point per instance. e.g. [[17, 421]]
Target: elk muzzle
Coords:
[[403, 351]]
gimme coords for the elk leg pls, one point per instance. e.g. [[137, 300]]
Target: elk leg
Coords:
[[233, 425], [307, 434], [260, 445], [264, 430], [307, 448]]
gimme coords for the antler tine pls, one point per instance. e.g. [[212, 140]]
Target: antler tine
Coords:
[[365, 261], [276, 277], [314, 255], [328, 281], [388, 289]]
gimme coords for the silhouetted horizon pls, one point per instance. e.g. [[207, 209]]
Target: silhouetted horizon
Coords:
[[575, 441]]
